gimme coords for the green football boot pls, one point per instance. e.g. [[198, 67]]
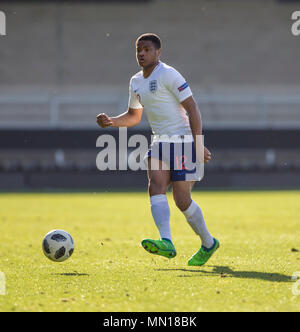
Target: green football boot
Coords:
[[203, 255], [163, 247]]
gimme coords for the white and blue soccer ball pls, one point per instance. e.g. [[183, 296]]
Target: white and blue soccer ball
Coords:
[[58, 245]]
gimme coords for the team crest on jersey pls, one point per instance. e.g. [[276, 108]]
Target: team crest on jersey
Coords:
[[153, 86]]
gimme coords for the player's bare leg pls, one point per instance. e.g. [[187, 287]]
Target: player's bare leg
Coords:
[[159, 181], [191, 210], [182, 194]]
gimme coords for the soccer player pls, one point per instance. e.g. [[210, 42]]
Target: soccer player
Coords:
[[172, 112]]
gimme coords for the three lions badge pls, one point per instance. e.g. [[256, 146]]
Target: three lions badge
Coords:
[[153, 86]]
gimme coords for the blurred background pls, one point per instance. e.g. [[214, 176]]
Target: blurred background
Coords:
[[64, 62]]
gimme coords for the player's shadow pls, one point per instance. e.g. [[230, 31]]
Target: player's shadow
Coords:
[[74, 274], [227, 272]]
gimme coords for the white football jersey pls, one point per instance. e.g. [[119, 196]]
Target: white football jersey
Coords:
[[160, 96]]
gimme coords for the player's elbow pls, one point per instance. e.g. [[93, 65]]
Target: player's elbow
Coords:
[[136, 122], [135, 116], [133, 123]]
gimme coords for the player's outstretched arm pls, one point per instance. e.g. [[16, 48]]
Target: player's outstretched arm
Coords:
[[128, 119]]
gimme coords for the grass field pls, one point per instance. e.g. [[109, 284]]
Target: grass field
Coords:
[[109, 270]]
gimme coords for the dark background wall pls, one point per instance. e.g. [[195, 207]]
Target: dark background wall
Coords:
[[241, 159]]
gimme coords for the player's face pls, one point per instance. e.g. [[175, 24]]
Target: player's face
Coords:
[[146, 53]]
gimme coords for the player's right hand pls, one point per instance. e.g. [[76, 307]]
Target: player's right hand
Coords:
[[104, 120]]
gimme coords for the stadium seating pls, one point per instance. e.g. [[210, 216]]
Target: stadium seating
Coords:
[[61, 64], [69, 55]]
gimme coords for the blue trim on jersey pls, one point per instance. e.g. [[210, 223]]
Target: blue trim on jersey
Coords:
[[183, 86]]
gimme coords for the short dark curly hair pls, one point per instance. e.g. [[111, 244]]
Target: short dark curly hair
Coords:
[[150, 36]]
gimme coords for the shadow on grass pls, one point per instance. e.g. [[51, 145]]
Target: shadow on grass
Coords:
[[227, 272], [74, 274]]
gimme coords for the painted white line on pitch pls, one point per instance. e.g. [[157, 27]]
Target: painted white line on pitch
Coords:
[[2, 284], [296, 285]]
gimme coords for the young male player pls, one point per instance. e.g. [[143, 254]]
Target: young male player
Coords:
[[171, 111]]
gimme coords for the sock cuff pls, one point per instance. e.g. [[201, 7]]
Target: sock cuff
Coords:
[[190, 210], [158, 199]]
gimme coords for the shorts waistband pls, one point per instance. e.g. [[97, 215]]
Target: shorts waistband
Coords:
[[173, 138]]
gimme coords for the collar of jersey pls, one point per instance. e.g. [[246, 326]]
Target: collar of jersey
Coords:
[[156, 67]]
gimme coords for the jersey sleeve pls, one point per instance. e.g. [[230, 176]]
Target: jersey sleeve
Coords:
[[133, 101], [176, 83]]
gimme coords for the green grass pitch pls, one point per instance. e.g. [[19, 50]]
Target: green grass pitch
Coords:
[[110, 271]]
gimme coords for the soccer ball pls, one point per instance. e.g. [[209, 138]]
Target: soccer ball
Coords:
[[58, 245]]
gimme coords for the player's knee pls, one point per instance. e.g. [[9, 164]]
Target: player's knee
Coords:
[[182, 202], [156, 188]]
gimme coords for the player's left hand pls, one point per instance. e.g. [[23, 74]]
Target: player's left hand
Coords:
[[207, 155], [204, 155]]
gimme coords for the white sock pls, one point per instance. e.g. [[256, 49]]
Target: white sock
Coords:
[[161, 215], [195, 218]]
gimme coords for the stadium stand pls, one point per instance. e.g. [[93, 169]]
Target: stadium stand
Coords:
[[63, 63], [240, 60]]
